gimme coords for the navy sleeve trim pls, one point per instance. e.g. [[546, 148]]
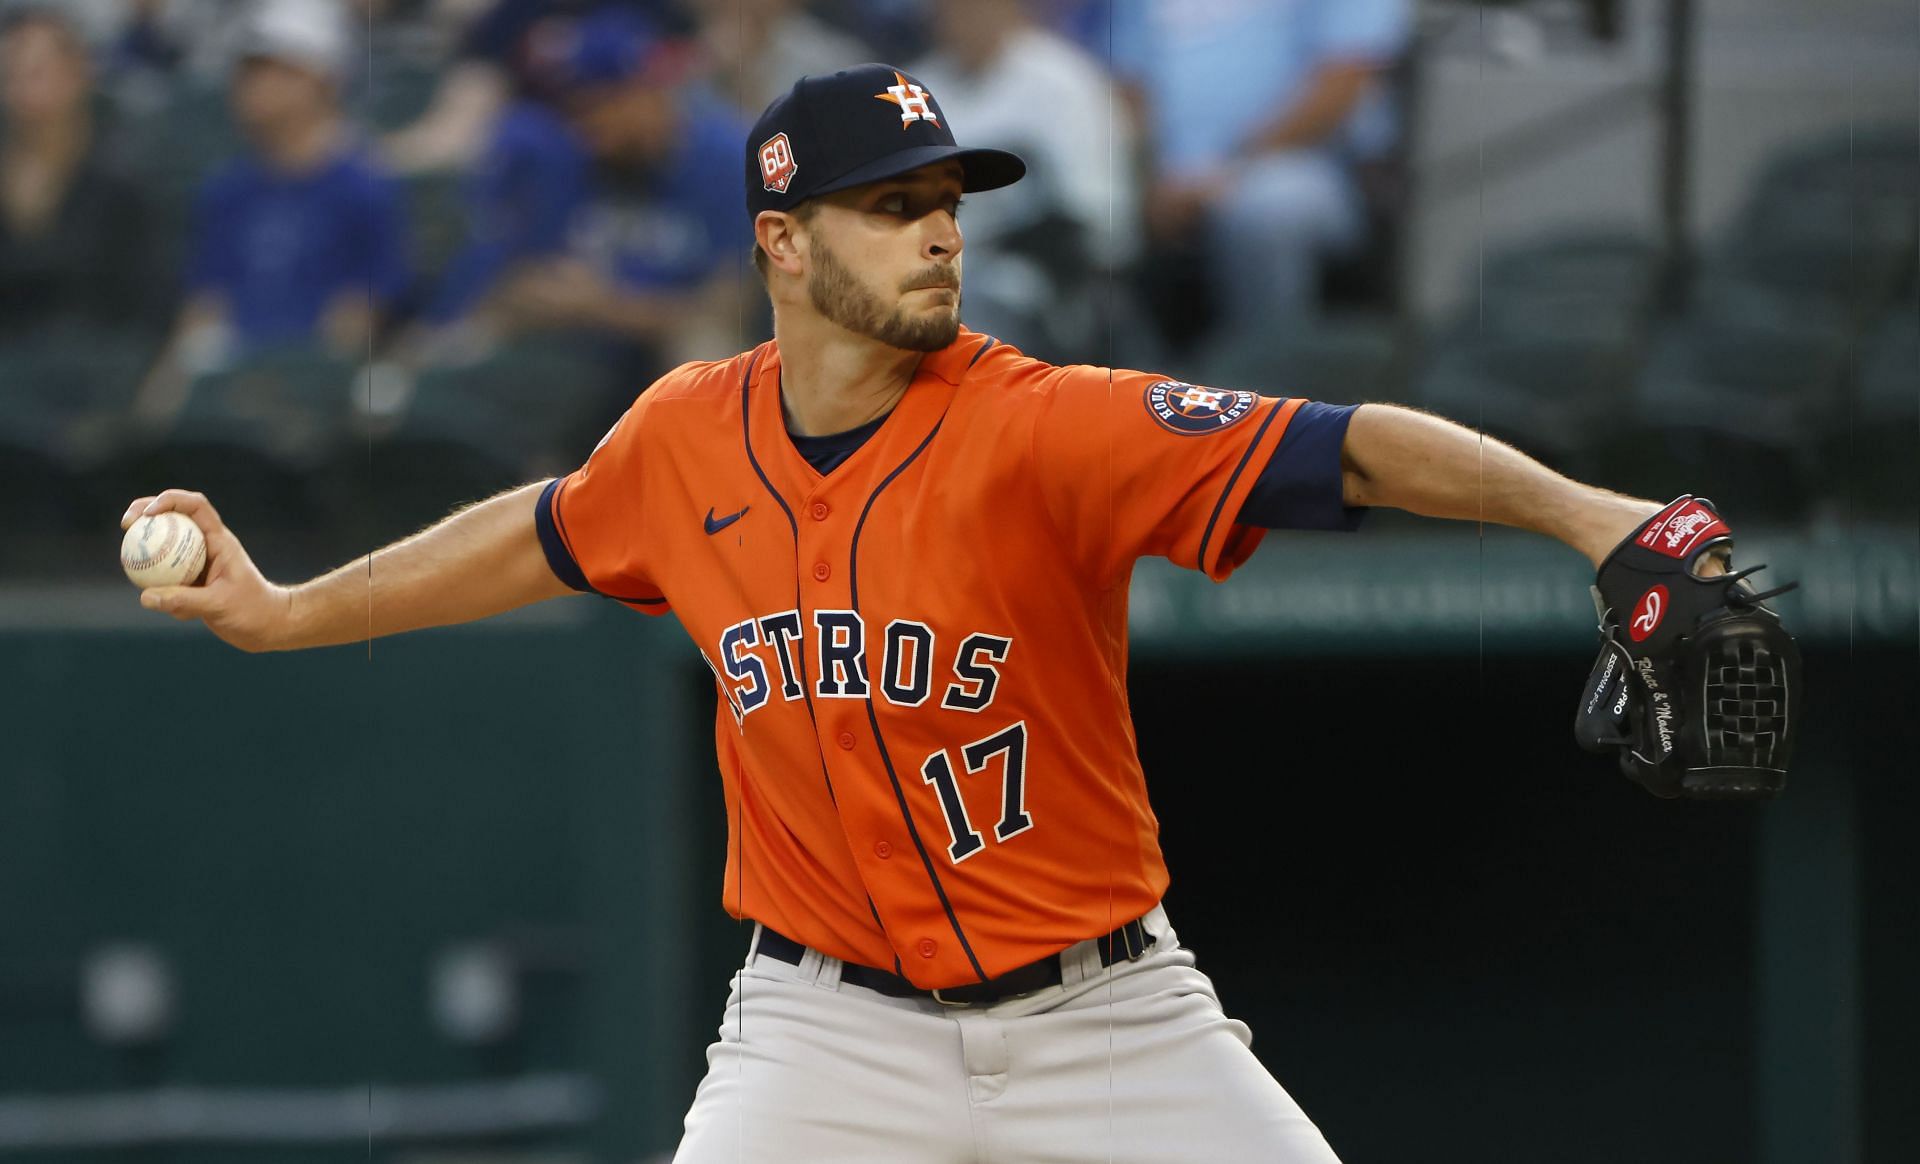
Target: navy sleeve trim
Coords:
[[559, 557], [1302, 486], [1213, 519]]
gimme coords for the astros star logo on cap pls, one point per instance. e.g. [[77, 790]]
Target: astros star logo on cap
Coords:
[[914, 102], [825, 134]]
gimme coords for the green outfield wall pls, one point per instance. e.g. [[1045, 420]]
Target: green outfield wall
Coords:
[[1434, 911]]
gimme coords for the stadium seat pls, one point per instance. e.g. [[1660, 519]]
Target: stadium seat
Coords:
[[469, 431], [1835, 271], [252, 438], [1346, 360], [1830, 221], [1544, 350], [1737, 405], [1592, 286], [1616, 262], [174, 147], [32, 425], [64, 390], [1878, 453], [1878, 162], [436, 220], [1553, 397], [397, 91], [61, 388]]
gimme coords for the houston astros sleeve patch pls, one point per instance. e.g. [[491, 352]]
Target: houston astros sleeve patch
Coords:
[[1135, 465]]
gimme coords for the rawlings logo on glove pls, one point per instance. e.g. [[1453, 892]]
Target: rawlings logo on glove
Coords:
[[1697, 685]]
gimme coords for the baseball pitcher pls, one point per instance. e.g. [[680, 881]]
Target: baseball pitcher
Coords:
[[904, 548]]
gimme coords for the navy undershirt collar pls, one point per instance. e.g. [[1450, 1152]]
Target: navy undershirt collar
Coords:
[[825, 453]]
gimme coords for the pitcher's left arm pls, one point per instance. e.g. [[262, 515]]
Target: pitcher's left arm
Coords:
[[1425, 464]]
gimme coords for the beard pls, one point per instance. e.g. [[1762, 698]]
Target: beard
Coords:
[[840, 296]]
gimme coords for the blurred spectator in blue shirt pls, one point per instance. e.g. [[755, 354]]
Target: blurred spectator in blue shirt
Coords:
[[895, 30], [76, 233], [146, 41], [303, 239], [1011, 84], [496, 46], [1088, 23], [1253, 109], [754, 50], [618, 213], [192, 40]]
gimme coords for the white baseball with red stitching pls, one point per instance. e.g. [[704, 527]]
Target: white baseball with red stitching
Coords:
[[165, 549]]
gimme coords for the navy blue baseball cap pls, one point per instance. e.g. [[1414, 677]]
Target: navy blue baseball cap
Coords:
[[860, 124]]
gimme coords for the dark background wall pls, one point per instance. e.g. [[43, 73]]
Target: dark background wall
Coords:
[[1455, 936]]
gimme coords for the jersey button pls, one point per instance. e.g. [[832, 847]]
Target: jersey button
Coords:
[[882, 850], [820, 511], [846, 741], [928, 947], [821, 571]]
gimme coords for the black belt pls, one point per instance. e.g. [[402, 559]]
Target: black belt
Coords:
[[1122, 945]]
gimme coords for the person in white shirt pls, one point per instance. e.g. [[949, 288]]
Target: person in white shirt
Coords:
[[754, 50], [1017, 86]]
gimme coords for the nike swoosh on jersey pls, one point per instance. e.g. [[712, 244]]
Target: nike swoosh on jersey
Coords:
[[714, 525]]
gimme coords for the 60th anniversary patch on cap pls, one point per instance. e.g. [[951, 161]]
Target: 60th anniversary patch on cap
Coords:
[[858, 125]]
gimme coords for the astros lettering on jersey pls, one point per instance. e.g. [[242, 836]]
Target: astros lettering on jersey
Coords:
[[923, 734]]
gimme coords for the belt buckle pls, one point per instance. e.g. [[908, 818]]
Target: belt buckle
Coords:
[[960, 1002], [1002, 996]]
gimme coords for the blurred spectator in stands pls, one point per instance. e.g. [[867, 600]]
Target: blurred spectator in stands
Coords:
[[150, 44], [892, 30], [158, 54], [1088, 23], [1011, 84], [497, 43], [754, 50], [1254, 110], [146, 40], [301, 240], [75, 232], [617, 214]]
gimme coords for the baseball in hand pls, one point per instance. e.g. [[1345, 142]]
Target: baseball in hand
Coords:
[[164, 549]]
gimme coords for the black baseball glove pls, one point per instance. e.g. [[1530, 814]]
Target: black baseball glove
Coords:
[[1698, 685]]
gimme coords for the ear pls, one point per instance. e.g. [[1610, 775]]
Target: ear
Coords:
[[777, 232]]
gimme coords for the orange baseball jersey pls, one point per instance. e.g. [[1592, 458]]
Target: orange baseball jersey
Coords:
[[924, 737]]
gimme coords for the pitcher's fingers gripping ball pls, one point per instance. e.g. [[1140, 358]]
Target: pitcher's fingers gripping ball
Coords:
[[163, 549]]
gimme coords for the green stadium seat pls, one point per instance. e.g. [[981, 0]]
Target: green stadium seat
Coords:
[[530, 408], [1553, 397], [1878, 453], [1834, 220], [253, 438], [1738, 406], [436, 220], [1345, 360], [177, 144], [1590, 287], [60, 393], [1544, 351]]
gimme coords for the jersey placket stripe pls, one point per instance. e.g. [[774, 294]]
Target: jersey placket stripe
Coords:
[[800, 659], [1259, 436], [873, 717]]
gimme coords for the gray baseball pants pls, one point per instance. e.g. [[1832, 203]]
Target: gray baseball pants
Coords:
[[1129, 1064]]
